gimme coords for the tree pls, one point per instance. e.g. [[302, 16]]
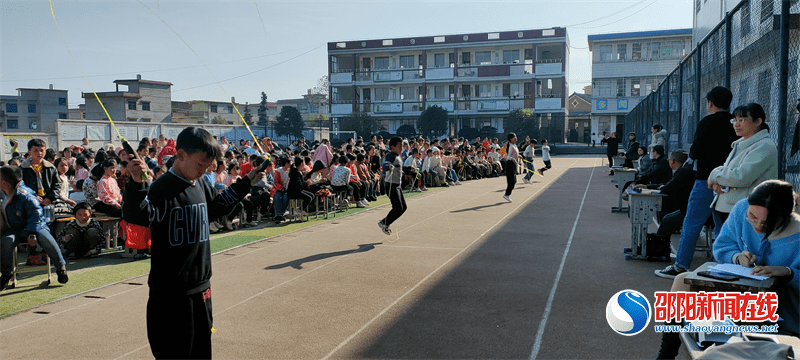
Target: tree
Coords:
[[362, 123], [218, 120], [406, 131], [289, 123], [469, 133], [322, 86], [432, 122], [262, 110], [488, 132], [248, 115], [523, 123]]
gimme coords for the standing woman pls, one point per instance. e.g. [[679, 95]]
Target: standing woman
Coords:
[[753, 160], [512, 153]]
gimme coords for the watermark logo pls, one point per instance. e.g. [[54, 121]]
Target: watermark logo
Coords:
[[628, 312]]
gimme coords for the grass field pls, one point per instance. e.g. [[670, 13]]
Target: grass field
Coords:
[[110, 267]]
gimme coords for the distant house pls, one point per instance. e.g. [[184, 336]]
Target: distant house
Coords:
[[33, 110], [139, 100], [579, 127]]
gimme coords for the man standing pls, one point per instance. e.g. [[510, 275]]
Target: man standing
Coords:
[[613, 147], [711, 146], [23, 218]]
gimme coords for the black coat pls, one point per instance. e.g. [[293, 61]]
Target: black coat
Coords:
[[633, 150], [712, 143], [660, 174], [678, 189], [613, 145]]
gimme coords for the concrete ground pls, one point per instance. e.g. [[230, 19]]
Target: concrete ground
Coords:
[[466, 275]]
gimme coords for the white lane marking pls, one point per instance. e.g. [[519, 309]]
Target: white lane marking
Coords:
[[396, 301], [537, 345]]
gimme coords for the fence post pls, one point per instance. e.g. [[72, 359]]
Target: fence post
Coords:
[[697, 75], [728, 31], [783, 83], [680, 103]]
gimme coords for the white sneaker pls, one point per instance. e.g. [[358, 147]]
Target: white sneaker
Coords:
[[525, 180], [253, 223], [458, 182], [366, 203], [507, 198], [360, 204], [212, 227]]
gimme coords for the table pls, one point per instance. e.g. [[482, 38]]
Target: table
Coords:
[[325, 205], [698, 283], [642, 209], [623, 176]]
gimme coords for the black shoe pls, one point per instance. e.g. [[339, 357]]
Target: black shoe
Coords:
[[670, 272], [4, 279], [62, 275]]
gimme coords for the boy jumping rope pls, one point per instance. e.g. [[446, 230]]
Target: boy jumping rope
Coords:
[[393, 166], [177, 208], [545, 157]]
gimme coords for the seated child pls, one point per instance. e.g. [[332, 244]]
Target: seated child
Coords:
[[82, 235]]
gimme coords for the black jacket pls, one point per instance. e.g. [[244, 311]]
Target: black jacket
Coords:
[[51, 184], [177, 213], [633, 150], [678, 189], [660, 174], [712, 143], [613, 145]]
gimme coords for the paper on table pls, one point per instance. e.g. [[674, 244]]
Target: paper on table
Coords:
[[738, 270]]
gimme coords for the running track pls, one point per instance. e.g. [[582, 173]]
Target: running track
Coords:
[[466, 276]]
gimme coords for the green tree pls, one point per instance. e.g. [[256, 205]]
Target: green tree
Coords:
[[432, 123], [406, 131], [289, 123], [218, 120], [362, 123], [488, 132], [262, 110], [522, 122], [248, 115]]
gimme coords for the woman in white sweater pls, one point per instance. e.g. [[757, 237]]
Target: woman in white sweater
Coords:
[[753, 160]]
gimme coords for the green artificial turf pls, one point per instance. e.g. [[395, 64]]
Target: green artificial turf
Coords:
[[111, 267]]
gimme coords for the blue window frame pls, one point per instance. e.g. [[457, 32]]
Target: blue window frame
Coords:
[[32, 108], [12, 108]]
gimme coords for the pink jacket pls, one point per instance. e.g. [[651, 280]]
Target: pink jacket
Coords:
[[108, 191], [323, 153]]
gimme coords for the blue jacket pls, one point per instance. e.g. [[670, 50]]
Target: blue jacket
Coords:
[[24, 212]]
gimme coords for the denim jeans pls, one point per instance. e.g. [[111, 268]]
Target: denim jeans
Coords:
[[696, 215], [451, 174], [529, 166], [8, 246], [281, 202]]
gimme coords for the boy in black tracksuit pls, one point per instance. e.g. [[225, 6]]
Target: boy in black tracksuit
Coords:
[[393, 166], [177, 208]]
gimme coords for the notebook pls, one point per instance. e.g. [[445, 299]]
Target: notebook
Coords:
[[738, 270]]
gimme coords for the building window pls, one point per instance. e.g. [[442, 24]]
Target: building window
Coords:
[[636, 87], [33, 124], [11, 108], [511, 56], [766, 9], [387, 42], [465, 58], [575, 104], [438, 39], [438, 92], [678, 49], [341, 45], [146, 105], [603, 88], [32, 108], [494, 36], [697, 6], [605, 53], [550, 32], [655, 48], [636, 51], [511, 90], [622, 52], [484, 90], [381, 62], [407, 62], [146, 119], [62, 101], [62, 115], [620, 87], [483, 57], [407, 93], [213, 108], [230, 109], [12, 124], [438, 60], [381, 94], [131, 105]]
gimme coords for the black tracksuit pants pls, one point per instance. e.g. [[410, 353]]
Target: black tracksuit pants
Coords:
[[511, 176], [179, 327], [395, 192]]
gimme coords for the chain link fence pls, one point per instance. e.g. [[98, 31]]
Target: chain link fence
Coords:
[[754, 52]]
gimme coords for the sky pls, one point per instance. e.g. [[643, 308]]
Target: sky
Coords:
[[283, 52]]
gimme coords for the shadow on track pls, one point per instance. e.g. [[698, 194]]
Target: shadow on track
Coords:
[[298, 264]]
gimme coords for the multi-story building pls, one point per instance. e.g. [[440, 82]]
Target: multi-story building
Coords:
[[207, 112], [478, 78], [143, 100], [626, 67], [33, 110]]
